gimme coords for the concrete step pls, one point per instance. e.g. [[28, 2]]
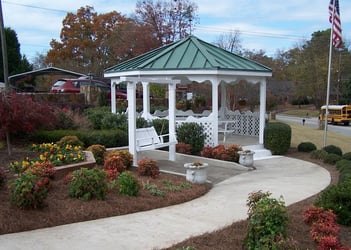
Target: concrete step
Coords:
[[260, 151]]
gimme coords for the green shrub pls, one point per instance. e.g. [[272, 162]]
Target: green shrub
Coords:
[[70, 140], [277, 137], [332, 158], [338, 199], [141, 122], [108, 138], [86, 184], [267, 222], [347, 156], [306, 147], [148, 167], [65, 121], [127, 184], [319, 154], [161, 126], [98, 152], [114, 121], [43, 136], [332, 149], [96, 115], [345, 175], [29, 191], [193, 134], [340, 165]]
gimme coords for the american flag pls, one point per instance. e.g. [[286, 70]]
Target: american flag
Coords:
[[334, 11]]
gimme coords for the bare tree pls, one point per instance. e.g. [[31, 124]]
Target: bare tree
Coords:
[[230, 41], [168, 20]]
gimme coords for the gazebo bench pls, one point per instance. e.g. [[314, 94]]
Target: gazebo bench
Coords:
[[148, 139]]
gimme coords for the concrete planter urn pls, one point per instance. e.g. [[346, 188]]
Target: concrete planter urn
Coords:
[[196, 172], [246, 158]]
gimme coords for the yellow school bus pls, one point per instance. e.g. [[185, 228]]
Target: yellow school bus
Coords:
[[337, 114]]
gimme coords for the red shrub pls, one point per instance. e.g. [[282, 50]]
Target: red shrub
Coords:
[[207, 152], [183, 148], [115, 162], [148, 167], [42, 169]]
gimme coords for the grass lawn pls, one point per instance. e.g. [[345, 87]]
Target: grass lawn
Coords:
[[308, 134]]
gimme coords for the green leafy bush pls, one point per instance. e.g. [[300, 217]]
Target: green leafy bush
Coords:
[[98, 152], [193, 134], [29, 191], [141, 122], [115, 121], [277, 137], [161, 126], [306, 147], [42, 136], [332, 158], [108, 138], [347, 156], [127, 184], [148, 167], [319, 154], [340, 165], [338, 199], [96, 115], [345, 174], [267, 221], [86, 184], [72, 140], [332, 149]]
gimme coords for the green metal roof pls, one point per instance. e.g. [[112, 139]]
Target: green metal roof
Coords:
[[189, 53]]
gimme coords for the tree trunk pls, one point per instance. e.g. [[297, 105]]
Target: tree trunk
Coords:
[[8, 142]]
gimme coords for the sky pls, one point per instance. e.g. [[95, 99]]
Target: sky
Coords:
[[263, 25]]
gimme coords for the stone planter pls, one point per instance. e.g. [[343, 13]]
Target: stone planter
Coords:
[[246, 158], [196, 173]]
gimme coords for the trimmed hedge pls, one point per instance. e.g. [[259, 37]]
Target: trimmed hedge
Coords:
[[347, 156], [277, 137], [306, 147], [332, 158], [108, 138], [332, 149]]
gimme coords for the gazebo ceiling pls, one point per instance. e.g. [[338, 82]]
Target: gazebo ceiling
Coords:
[[189, 56]]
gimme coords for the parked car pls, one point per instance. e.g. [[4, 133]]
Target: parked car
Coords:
[[73, 86]]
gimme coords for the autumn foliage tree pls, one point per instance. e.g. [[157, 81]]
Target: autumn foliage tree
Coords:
[[92, 42], [19, 114]]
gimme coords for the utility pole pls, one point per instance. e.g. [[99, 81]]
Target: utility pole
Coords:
[[4, 50]]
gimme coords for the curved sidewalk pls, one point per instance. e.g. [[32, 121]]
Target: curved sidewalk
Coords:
[[294, 179]]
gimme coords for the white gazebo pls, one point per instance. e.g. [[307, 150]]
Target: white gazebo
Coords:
[[196, 61]]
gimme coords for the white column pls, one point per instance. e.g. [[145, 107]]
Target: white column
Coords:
[[113, 95], [146, 100], [215, 112], [262, 110], [131, 91], [223, 100], [171, 119]]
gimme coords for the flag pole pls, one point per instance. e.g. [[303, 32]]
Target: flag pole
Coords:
[[328, 82]]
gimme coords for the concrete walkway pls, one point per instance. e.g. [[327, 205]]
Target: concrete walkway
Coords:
[[294, 179]]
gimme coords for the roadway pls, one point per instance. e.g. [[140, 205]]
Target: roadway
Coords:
[[313, 122]]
